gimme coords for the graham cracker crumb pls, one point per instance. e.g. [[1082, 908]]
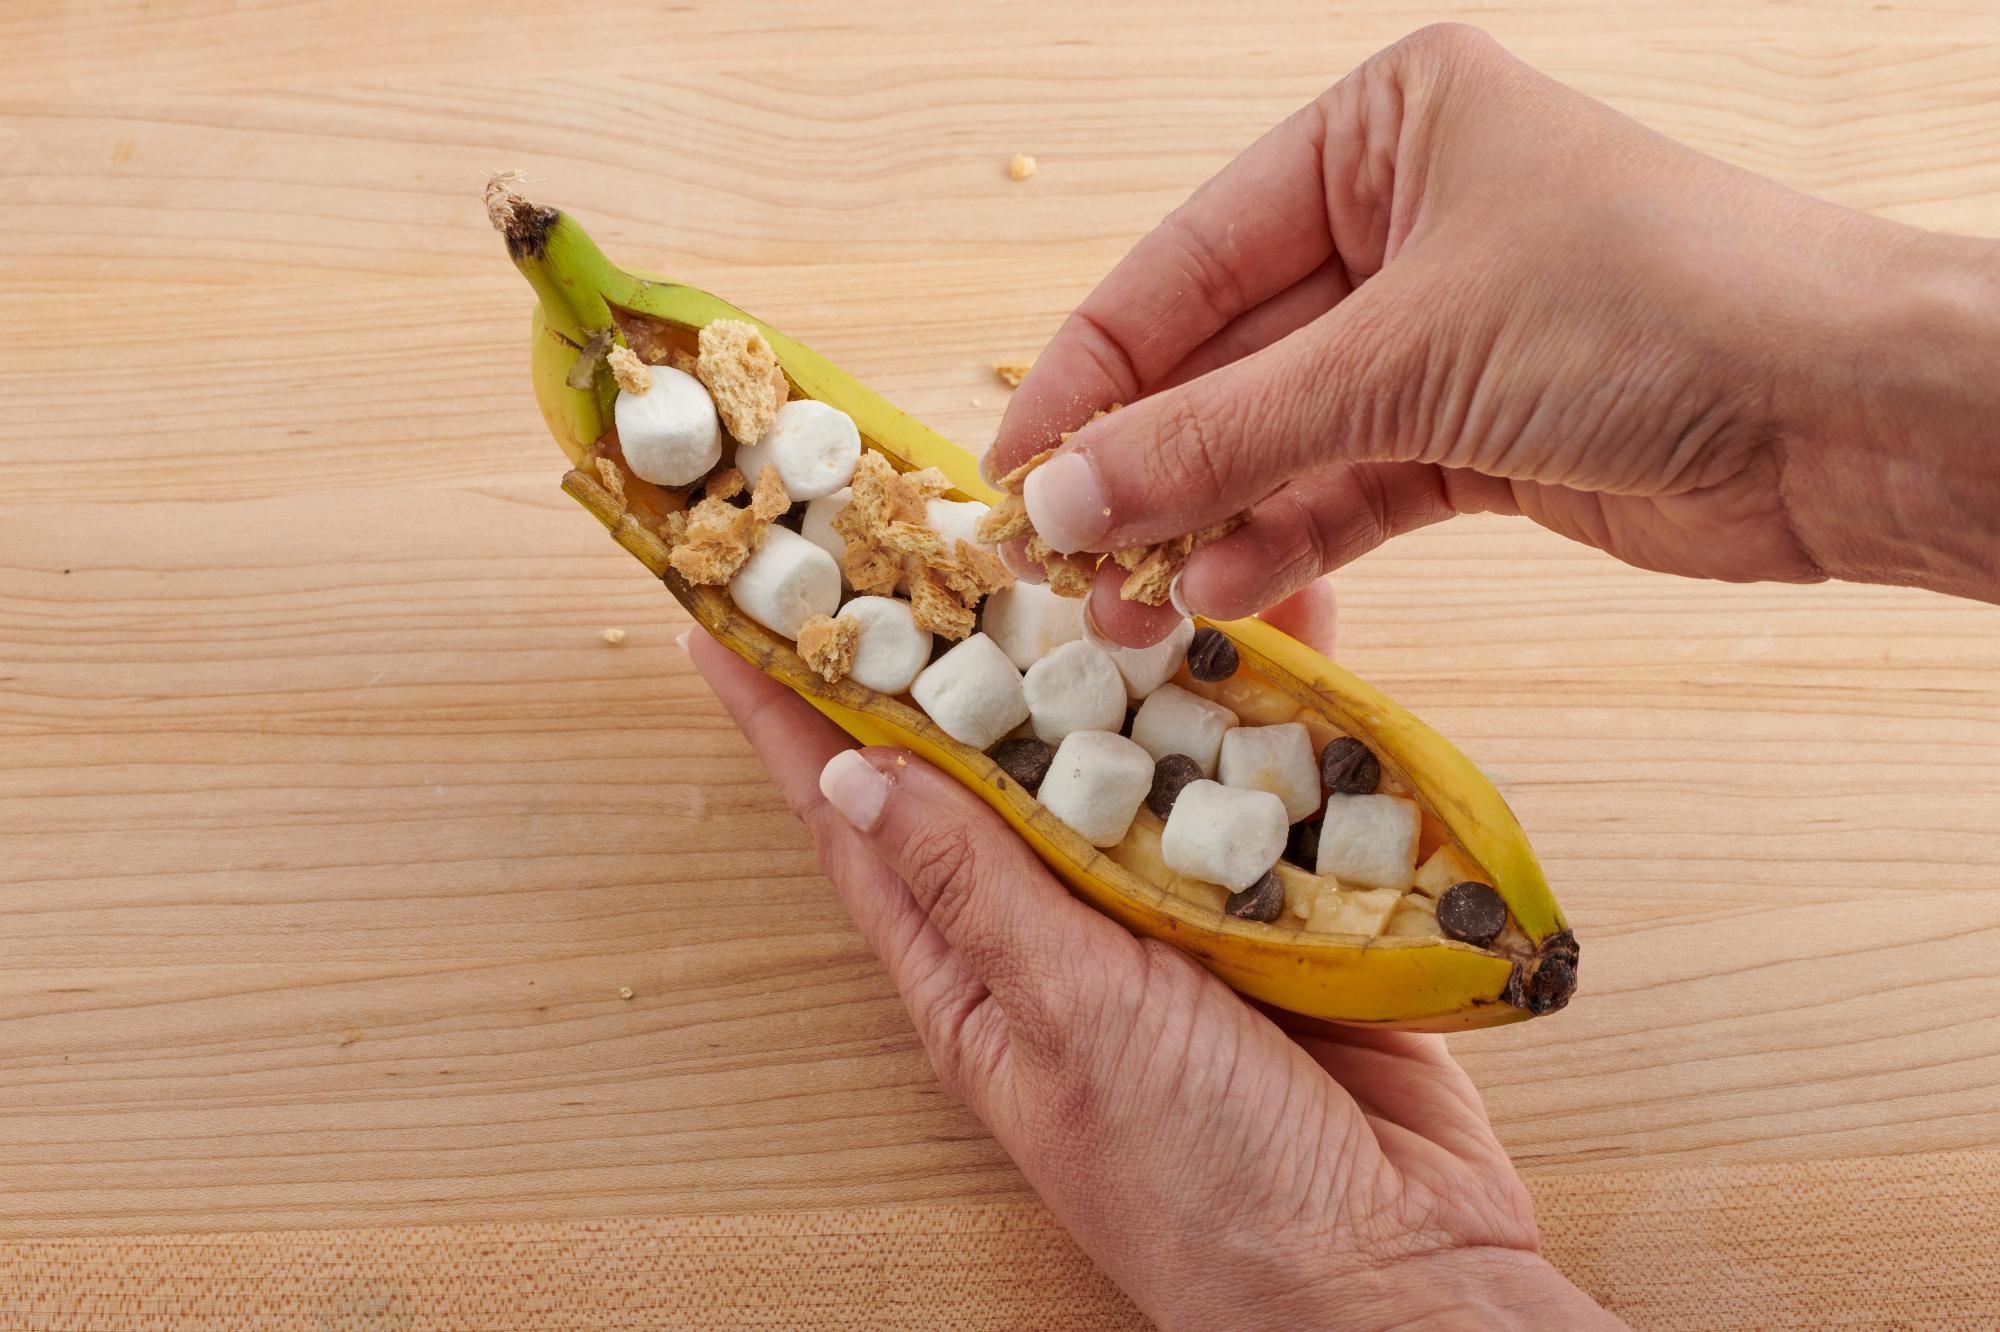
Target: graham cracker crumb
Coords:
[[614, 480], [682, 360], [741, 372], [889, 540], [827, 645], [624, 992], [1151, 579], [1012, 372], [1022, 167], [614, 635], [769, 500], [1015, 480], [1004, 521], [725, 484], [633, 375], [673, 528], [718, 538]]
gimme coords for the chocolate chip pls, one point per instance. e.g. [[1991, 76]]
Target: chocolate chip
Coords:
[[1347, 767], [1302, 848], [1170, 777], [1262, 900], [1025, 759], [1471, 913], [1211, 656]]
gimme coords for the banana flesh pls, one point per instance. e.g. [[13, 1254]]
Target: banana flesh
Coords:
[[1415, 981]]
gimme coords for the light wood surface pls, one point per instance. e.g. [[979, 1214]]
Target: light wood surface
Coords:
[[330, 828]]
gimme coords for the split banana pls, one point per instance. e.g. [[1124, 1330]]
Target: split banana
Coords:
[[1418, 982]]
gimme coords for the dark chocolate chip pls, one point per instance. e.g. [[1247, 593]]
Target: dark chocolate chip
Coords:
[[1170, 777], [1262, 900], [1348, 767], [1025, 759], [1471, 913], [1211, 656], [1302, 848]]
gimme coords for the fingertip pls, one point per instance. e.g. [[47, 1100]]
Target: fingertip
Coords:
[[1121, 623], [1310, 615]]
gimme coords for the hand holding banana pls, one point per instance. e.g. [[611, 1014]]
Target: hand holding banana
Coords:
[[1451, 285]]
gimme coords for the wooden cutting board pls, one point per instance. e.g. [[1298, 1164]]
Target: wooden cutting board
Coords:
[[331, 828]]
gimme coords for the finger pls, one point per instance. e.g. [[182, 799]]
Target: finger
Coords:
[[1307, 615], [1312, 526], [795, 743], [1253, 230], [972, 875], [1253, 330], [1350, 387]]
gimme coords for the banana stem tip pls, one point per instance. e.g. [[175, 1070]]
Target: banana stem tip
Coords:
[[524, 226]]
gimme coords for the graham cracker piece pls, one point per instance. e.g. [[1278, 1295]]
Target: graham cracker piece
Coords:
[[633, 375], [613, 477], [718, 539], [889, 541], [1011, 373], [725, 484], [934, 607], [827, 645], [683, 360], [741, 372], [769, 500], [1153, 568], [1004, 521]]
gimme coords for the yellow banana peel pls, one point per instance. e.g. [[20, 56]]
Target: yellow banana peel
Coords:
[[1414, 983]]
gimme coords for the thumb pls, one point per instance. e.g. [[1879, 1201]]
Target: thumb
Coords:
[[1340, 389]]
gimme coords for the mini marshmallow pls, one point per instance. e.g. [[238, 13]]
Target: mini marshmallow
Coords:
[[1146, 669], [786, 582], [1224, 835], [892, 650], [1028, 621], [813, 446], [1096, 783], [972, 692], [1074, 688], [1174, 721], [953, 519], [816, 526], [669, 434], [1278, 759], [1370, 841]]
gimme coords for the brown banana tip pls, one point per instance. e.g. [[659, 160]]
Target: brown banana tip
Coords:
[[524, 226], [1546, 981]]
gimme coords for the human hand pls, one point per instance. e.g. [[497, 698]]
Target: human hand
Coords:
[[1226, 1170], [1451, 285]]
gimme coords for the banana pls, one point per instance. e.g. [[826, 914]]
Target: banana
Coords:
[[1425, 983]]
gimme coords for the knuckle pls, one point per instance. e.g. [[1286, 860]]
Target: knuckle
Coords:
[[1194, 459], [1213, 276], [940, 866], [1448, 42]]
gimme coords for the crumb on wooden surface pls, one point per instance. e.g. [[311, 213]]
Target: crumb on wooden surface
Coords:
[[614, 635], [1011, 373], [1022, 167]]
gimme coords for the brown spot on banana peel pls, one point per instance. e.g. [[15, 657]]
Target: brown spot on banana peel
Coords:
[[523, 225]]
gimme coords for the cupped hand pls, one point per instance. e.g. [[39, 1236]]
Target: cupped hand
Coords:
[[1226, 1171], [1451, 285]]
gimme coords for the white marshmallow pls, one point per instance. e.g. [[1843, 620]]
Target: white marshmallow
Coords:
[[953, 519], [972, 692], [813, 446], [786, 582], [1223, 835], [1096, 783], [1028, 621], [816, 526], [1074, 688], [1369, 840], [1278, 759], [669, 434], [892, 650], [1146, 669], [1174, 721]]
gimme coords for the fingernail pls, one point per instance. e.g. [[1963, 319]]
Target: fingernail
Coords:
[[681, 638], [1066, 502], [1092, 634], [851, 785], [1174, 597], [1015, 558], [989, 464]]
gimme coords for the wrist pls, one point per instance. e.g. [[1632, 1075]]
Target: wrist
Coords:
[[1892, 442], [1478, 1287]]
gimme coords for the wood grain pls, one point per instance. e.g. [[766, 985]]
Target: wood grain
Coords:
[[330, 828]]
